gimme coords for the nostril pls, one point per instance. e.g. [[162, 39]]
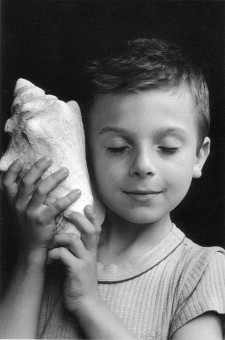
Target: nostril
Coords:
[[142, 173], [149, 173]]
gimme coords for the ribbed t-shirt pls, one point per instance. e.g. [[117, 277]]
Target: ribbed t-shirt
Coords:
[[153, 295]]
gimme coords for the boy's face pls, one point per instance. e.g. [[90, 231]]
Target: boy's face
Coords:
[[143, 149]]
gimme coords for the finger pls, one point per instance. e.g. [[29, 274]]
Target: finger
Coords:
[[90, 214], [88, 232], [47, 185], [60, 205], [63, 255], [71, 241], [27, 183], [9, 179]]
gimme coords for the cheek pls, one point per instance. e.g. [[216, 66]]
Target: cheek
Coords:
[[107, 175], [104, 175], [180, 175]]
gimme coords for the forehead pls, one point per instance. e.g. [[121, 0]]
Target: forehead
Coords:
[[146, 110]]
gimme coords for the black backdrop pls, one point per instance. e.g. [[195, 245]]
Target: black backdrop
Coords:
[[48, 42]]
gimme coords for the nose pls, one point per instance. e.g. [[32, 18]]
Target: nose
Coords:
[[143, 165]]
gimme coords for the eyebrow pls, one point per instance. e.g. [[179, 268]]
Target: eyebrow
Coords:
[[107, 129], [174, 130], [164, 131]]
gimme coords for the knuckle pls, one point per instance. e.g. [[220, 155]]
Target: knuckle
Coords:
[[39, 219], [25, 182], [16, 166], [93, 215], [6, 183], [30, 216], [92, 232], [82, 266], [18, 207], [98, 229], [6, 186], [35, 216], [38, 165], [62, 251], [53, 178], [40, 190], [58, 205]]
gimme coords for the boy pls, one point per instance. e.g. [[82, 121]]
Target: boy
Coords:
[[140, 278]]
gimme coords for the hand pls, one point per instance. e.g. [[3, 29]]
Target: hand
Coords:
[[79, 255], [37, 221]]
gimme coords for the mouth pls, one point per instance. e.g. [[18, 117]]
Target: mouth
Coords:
[[140, 195]]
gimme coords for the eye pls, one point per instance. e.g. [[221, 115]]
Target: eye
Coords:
[[169, 150], [118, 150]]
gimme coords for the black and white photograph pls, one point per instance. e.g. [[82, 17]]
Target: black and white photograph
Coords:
[[112, 169]]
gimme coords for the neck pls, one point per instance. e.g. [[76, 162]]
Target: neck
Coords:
[[122, 240]]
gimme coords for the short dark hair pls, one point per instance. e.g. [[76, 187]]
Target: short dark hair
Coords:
[[146, 64]]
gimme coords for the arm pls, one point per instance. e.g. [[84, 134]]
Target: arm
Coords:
[[205, 327], [20, 307], [81, 296], [99, 322]]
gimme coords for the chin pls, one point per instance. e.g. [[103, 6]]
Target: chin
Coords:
[[140, 218]]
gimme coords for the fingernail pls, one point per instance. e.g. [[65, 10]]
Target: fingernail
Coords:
[[74, 193], [64, 171], [67, 213], [47, 159], [89, 209]]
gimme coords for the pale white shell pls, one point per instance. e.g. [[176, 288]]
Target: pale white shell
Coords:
[[41, 125]]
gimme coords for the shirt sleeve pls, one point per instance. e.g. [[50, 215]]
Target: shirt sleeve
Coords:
[[203, 292]]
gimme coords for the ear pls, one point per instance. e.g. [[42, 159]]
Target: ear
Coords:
[[201, 157]]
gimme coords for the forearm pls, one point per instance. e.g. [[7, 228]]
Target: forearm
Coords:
[[19, 311], [98, 322]]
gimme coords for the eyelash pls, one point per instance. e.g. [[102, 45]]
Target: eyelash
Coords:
[[167, 150], [120, 150], [117, 151]]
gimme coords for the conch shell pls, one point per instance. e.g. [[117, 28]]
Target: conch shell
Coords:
[[41, 125]]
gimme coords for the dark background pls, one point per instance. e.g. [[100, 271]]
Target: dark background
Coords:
[[48, 43]]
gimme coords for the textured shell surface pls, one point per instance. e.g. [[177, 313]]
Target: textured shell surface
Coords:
[[41, 125]]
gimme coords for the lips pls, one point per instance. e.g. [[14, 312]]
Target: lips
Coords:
[[142, 192], [142, 195]]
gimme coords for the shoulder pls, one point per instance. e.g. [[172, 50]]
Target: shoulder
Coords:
[[191, 261], [196, 259], [200, 265], [201, 284]]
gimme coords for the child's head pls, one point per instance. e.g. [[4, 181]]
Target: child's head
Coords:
[[145, 64], [148, 116]]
